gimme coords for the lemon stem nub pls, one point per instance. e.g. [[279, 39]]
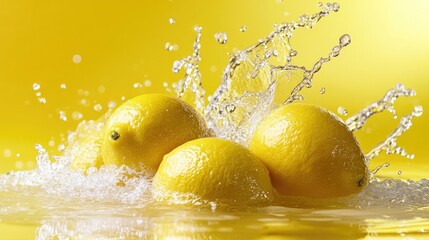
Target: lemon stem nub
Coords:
[[360, 182], [114, 135]]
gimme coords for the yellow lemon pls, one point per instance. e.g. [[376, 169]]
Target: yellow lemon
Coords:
[[310, 152], [143, 129], [84, 146], [212, 169]]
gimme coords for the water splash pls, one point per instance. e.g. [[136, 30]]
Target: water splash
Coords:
[[358, 120], [221, 37], [252, 86], [389, 145], [253, 80], [190, 87]]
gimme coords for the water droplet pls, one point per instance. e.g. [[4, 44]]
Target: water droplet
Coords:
[[320, 4], [112, 104], [221, 37], [343, 111], [198, 29], [63, 116], [51, 143], [147, 83], [168, 46], [123, 98], [243, 28], [171, 21], [18, 155], [418, 111], [322, 90], [230, 108], [7, 153], [36, 86], [98, 107], [335, 7], [165, 84], [61, 147], [77, 58], [293, 53], [19, 164], [101, 89], [345, 40], [63, 86], [137, 85], [77, 115], [42, 100], [177, 65], [399, 172]]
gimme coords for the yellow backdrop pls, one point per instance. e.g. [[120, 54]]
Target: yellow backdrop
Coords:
[[98, 50]]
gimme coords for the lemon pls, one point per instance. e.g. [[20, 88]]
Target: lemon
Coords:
[[310, 152], [214, 170], [145, 128], [84, 147]]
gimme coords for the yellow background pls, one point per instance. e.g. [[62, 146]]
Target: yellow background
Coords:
[[122, 42]]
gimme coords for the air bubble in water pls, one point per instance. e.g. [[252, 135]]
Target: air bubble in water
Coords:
[[171, 21], [399, 172], [221, 37], [63, 86], [243, 28]]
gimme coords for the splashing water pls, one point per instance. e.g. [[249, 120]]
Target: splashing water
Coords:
[[253, 84]]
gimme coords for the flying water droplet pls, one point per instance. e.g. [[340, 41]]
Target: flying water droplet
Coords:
[[322, 90], [243, 28], [77, 58], [169, 46], [147, 83], [77, 115], [36, 86], [98, 107], [171, 21], [343, 111], [137, 85], [345, 40], [221, 37]]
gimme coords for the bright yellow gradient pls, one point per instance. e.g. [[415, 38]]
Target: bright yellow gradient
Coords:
[[122, 43]]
